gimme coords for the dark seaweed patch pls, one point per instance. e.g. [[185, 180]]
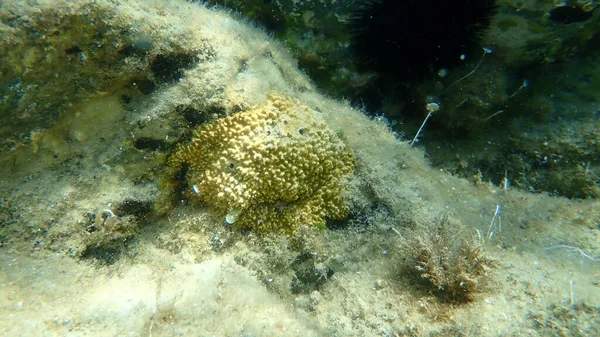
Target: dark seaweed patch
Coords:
[[136, 208], [309, 276]]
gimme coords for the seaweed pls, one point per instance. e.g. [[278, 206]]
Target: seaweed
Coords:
[[442, 259]]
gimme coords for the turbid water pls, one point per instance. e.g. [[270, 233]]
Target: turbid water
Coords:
[[301, 215]]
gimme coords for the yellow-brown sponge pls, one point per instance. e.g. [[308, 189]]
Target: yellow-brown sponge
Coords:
[[270, 169]]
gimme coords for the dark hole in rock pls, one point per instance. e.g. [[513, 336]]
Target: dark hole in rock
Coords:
[[73, 50], [152, 144], [126, 99], [144, 85], [169, 68], [195, 117]]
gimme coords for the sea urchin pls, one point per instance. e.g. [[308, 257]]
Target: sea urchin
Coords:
[[409, 39]]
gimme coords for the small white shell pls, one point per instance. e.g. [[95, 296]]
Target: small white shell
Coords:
[[107, 213], [232, 216]]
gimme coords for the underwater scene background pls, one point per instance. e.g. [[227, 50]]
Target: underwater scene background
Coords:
[[299, 168]]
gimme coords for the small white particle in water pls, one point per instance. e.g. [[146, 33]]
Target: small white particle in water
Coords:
[[196, 189]]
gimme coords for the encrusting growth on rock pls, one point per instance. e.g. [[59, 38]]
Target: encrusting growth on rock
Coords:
[[271, 168]]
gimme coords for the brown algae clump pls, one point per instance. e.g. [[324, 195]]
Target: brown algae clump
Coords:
[[443, 256], [271, 168]]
